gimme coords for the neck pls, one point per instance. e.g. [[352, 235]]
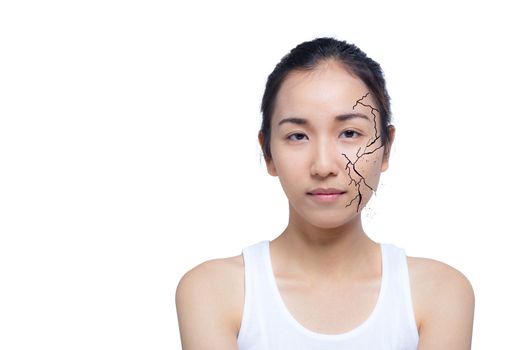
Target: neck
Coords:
[[325, 254]]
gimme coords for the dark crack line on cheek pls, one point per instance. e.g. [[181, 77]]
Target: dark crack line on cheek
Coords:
[[373, 111], [360, 179], [359, 195]]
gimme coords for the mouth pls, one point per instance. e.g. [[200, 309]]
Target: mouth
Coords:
[[325, 194], [328, 196], [326, 191]]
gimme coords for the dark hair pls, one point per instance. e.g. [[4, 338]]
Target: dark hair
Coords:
[[307, 56]]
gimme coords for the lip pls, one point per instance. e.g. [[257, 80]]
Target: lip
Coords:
[[326, 194], [326, 197], [326, 191]]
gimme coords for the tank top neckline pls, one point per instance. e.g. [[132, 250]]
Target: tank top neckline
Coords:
[[325, 336]]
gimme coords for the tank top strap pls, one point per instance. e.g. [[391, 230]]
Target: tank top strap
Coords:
[[399, 296], [259, 304]]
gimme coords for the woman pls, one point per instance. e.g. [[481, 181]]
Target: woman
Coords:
[[323, 283]]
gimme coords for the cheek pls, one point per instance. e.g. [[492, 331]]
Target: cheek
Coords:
[[368, 166], [372, 161], [291, 160], [289, 169], [371, 164]]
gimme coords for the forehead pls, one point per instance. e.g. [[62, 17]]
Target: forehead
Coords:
[[323, 92]]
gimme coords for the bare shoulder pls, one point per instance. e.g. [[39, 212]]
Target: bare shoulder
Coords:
[[430, 273], [210, 296], [217, 273], [443, 300]]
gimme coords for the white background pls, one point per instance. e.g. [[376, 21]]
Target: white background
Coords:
[[128, 154]]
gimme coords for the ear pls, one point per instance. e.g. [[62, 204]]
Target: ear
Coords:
[[270, 167], [388, 147]]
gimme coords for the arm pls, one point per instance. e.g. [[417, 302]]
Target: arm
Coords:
[[203, 309], [448, 316]]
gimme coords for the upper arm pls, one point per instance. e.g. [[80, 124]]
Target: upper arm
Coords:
[[202, 310], [449, 312]]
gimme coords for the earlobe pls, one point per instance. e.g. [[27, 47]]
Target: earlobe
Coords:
[[269, 163], [388, 147], [271, 168], [384, 165]]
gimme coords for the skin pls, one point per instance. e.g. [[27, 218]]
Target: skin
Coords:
[[327, 269]]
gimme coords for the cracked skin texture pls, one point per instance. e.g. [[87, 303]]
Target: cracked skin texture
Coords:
[[358, 179]]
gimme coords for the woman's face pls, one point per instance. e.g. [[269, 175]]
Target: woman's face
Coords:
[[326, 134]]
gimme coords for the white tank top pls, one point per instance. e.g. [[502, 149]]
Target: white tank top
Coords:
[[268, 325]]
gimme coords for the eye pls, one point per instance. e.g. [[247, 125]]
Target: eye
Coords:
[[301, 136], [350, 133]]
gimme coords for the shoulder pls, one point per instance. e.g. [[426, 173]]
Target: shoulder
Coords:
[[217, 286], [435, 277], [215, 270], [443, 300]]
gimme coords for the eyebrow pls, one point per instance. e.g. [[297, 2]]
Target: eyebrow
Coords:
[[339, 118]]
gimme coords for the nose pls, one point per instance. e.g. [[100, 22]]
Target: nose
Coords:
[[324, 160]]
